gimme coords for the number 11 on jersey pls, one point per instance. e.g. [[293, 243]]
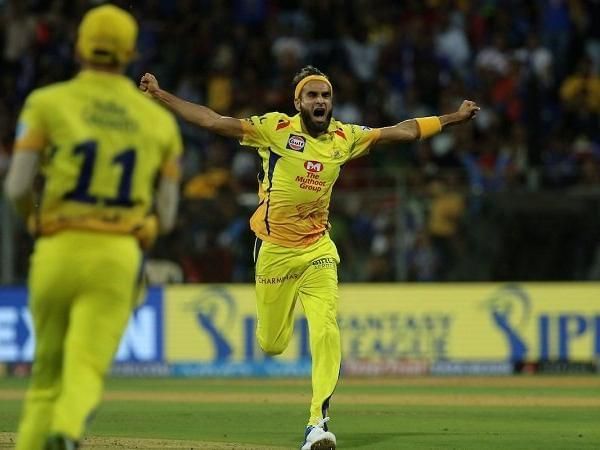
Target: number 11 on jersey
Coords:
[[81, 192]]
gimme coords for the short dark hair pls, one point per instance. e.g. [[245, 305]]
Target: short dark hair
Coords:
[[307, 71]]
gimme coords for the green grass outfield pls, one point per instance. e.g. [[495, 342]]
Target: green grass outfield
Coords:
[[520, 412]]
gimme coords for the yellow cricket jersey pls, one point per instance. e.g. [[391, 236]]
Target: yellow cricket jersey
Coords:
[[102, 144], [298, 174]]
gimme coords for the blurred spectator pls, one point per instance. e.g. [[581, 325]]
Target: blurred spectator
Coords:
[[492, 60], [537, 59], [452, 43], [580, 94], [423, 259], [582, 88], [556, 25], [215, 175], [486, 166], [19, 33], [559, 164], [447, 209], [532, 66], [362, 54]]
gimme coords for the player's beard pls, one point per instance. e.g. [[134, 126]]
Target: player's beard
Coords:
[[313, 127]]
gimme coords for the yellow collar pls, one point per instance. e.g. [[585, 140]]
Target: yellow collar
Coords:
[[98, 76]]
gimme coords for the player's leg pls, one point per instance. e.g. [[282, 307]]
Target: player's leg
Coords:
[[50, 294], [276, 292], [319, 297], [98, 318]]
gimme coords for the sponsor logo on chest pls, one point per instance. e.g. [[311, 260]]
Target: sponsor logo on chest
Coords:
[[313, 166], [296, 143], [311, 181]]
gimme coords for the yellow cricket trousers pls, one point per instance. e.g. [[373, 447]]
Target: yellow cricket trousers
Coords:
[[82, 290], [285, 275]]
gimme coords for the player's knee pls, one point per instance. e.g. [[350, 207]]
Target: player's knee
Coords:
[[271, 347], [327, 332]]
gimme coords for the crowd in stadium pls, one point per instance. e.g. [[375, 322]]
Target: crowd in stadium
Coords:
[[532, 66]]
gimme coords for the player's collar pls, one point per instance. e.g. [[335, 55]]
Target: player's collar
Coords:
[[96, 75], [296, 122]]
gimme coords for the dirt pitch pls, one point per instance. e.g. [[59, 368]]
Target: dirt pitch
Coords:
[[7, 440]]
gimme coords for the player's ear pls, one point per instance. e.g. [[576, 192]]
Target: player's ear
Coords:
[[297, 104]]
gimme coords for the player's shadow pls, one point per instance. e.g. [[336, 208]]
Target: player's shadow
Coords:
[[379, 440]]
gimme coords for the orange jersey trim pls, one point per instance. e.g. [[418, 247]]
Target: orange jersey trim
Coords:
[[31, 142], [282, 124], [340, 132], [172, 170]]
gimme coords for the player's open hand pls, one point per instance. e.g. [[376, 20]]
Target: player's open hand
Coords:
[[149, 84], [468, 110]]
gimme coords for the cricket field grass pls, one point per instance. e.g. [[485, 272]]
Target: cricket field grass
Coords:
[[518, 412]]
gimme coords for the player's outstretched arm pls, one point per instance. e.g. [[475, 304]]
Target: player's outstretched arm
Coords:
[[424, 127], [196, 114]]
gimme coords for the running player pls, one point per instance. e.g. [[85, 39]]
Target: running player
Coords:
[[99, 144], [295, 259]]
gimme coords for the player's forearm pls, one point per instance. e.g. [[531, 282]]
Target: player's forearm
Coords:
[[167, 200], [451, 119], [197, 114], [20, 197], [425, 127], [23, 205], [18, 185], [200, 115]]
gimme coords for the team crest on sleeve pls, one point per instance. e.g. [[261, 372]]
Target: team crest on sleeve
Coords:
[[296, 143]]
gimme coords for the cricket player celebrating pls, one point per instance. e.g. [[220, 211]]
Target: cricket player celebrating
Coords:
[[99, 144], [295, 258]]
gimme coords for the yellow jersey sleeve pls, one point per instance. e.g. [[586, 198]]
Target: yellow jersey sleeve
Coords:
[[32, 133], [362, 139], [258, 129]]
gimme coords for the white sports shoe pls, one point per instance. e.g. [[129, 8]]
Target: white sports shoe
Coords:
[[316, 438]]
